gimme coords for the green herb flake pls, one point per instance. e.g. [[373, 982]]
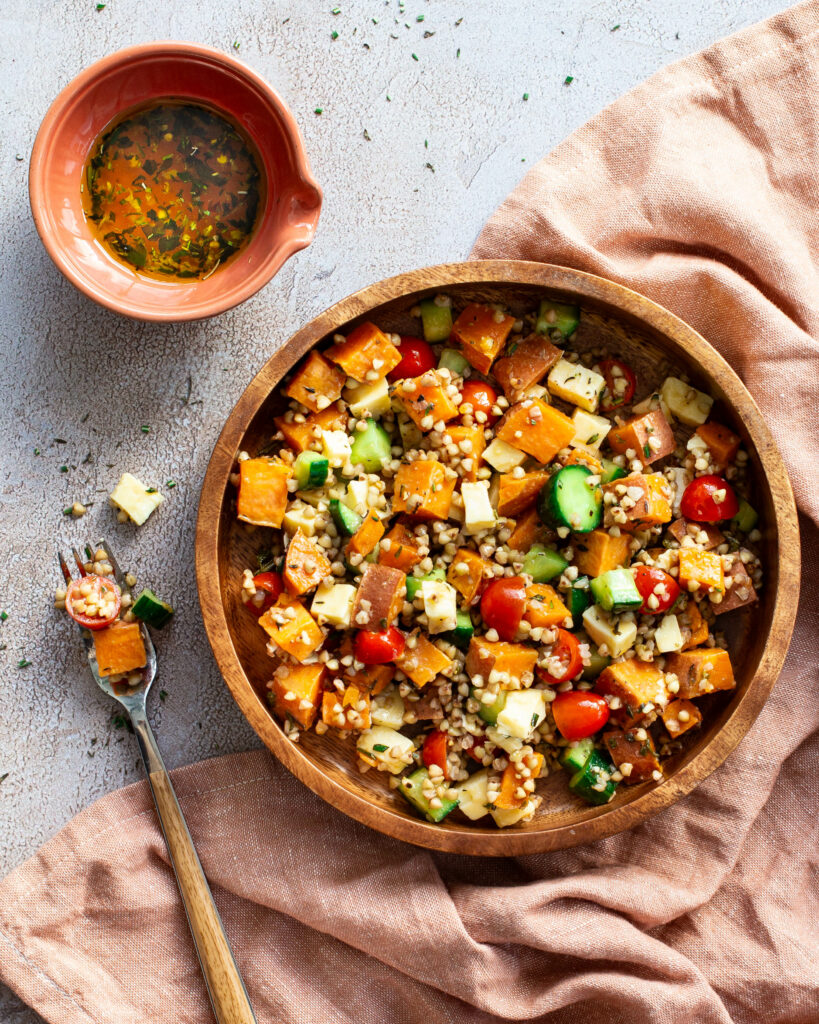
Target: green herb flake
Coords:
[[415, 56], [379, 747], [458, 52], [334, 35], [150, 490], [4, 776], [614, 28], [535, 719], [647, 451], [236, 44], [23, 663], [145, 428], [336, 10], [3, 616], [163, 695], [319, 110], [525, 96], [170, 483], [100, 7], [63, 469], [36, 451], [420, 17], [68, 511], [568, 79]]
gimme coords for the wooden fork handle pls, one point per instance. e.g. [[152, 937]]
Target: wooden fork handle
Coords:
[[225, 986]]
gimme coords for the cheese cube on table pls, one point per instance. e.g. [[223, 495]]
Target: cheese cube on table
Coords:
[[333, 604], [577, 384], [502, 456], [589, 430], [371, 398], [440, 605], [685, 403], [617, 634], [135, 499], [478, 512]]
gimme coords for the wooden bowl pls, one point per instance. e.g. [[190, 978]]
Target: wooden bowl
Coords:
[[655, 342]]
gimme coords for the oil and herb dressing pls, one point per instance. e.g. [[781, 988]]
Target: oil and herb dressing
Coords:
[[173, 190]]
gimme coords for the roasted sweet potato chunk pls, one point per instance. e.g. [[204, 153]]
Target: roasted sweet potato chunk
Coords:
[[517, 493], [680, 716], [536, 428], [316, 383], [529, 363], [423, 489], [423, 661], [700, 671], [634, 755], [648, 436], [482, 333], [367, 354], [379, 597]]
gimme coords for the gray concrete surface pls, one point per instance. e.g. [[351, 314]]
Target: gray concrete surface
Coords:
[[450, 135]]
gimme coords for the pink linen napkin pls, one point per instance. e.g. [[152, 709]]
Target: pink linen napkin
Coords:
[[698, 188]]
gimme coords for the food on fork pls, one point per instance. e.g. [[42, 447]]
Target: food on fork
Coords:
[[488, 556]]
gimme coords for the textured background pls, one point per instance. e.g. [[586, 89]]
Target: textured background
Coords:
[[78, 373]]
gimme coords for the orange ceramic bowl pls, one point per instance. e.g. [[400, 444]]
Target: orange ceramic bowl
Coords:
[[125, 81]]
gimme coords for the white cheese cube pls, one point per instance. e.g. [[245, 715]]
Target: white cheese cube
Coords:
[[522, 713], [300, 515], [589, 429], [502, 456], [440, 605], [508, 743], [337, 446], [369, 398], [511, 815], [411, 436], [357, 496], [537, 391], [685, 403], [133, 497], [377, 744], [387, 708], [668, 636], [654, 401], [617, 634], [473, 795], [333, 604], [478, 512], [576, 383]]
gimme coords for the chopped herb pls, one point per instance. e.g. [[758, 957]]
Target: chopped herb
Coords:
[[170, 483], [592, 439], [415, 56], [122, 722], [163, 695], [60, 440], [100, 7], [526, 96], [36, 451], [377, 747], [150, 490], [145, 428], [458, 22], [68, 511], [426, 143], [647, 451], [568, 80], [236, 44], [23, 663], [367, 135], [420, 17], [3, 616], [429, 167], [614, 27], [334, 35], [63, 469], [535, 718], [4, 776], [319, 110], [458, 52], [336, 10], [266, 561]]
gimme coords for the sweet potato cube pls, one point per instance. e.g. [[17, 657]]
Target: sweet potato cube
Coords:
[[423, 662], [119, 648], [379, 598], [402, 550], [367, 354], [530, 362], [373, 679], [466, 572], [702, 670], [722, 443], [470, 442], [544, 607], [640, 500], [741, 590], [536, 428], [423, 489], [693, 626], [292, 628], [705, 535], [703, 568], [316, 379], [597, 552], [628, 751], [294, 685], [636, 683], [517, 493], [512, 782], [481, 334], [427, 401], [365, 538], [301, 436], [305, 565], [582, 455], [499, 660], [528, 528], [680, 716], [262, 491], [649, 436], [349, 711]]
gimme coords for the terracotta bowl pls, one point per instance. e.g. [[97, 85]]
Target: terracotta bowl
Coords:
[[655, 342], [127, 80]]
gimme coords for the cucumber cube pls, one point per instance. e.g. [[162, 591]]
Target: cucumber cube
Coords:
[[616, 591], [557, 317], [412, 788], [464, 628], [543, 563], [746, 518], [453, 360], [151, 610], [371, 447], [593, 781], [611, 471], [414, 582], [574, 757], [310, 470], [596, 665], [489, 712], [579, 597], [345, 519], [436, 320]]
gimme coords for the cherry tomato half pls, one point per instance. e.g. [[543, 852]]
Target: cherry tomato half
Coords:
[[578, 714], [469, 743], [378, 648], [434, 751], [270, 585], [416, 358], [93, 601], [503, 604], [481, 396], [648, 581], [620, 384], [567, 652], [699, 504]]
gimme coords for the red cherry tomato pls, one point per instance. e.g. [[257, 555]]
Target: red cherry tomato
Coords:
[[93, 601], [615, 393], [378, 648], [481, 396], [698, 502], [647, 579], [270, 584], [434, 751], [578, 714], [567, 652], [503, 604], [416, 358]]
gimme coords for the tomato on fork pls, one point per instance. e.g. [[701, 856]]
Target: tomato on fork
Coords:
[[481, 396], [416, 358], [93, 601], [270, 583]]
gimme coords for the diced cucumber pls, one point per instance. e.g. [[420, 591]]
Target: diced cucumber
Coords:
[[371, 447], [151, 610], [596, 664], [453, 360], [543, 563], [746, 518], [595, 771], [557, 316], [412, 788], [464, 628], [574, 757], [616, 591], [345, 519], [567, 499], [611, 471], [579, 597], [436, 320], [489, 712], [414, 582], [310, 470]]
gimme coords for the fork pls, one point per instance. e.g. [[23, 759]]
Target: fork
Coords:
[[226, 989]]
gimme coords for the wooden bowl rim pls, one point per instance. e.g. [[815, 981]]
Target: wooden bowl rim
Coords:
[[466, 839]]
